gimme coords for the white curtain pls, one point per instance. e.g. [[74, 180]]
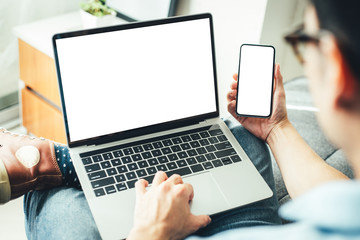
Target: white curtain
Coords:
[[18, 12]]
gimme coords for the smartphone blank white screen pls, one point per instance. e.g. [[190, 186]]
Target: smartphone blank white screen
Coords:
[[255, 80]]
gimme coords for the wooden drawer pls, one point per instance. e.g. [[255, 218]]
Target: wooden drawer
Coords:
[[42, 119], [38, 72]]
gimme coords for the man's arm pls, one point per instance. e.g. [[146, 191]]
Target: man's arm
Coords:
[[301, 168]]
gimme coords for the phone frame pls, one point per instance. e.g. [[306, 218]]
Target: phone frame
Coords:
[[272, 83]]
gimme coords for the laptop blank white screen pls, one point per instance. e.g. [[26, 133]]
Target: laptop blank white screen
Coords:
[[122, 80]]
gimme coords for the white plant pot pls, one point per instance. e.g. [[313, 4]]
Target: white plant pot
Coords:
[[91, 21]]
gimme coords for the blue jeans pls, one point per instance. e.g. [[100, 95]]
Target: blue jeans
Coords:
[[63, 213]]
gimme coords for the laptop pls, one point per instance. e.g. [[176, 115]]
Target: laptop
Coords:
[[143, 97]]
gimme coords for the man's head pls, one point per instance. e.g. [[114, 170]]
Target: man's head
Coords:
[[332, 64]]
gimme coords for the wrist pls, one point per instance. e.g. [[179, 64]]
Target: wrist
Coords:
[[277, 131], [151, 232]]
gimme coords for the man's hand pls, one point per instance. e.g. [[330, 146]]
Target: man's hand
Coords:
[[163, 211], [262, 127]]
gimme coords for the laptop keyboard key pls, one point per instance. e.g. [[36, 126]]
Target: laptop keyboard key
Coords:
[[204, 142], [235, 158], [191, 161], [126, 160], [225, 153], [148, 146], [121, 187], [215, 132], [217, 163], [196, 168], [167, 142], [151, 170], [131, 184], [204, 134], [173, 157], [149, 178], [158, 145], [181, 171], [161, 167], [201, 158], [222, 138], [185, 146], [146, 155], [120, 178], [176, 140], [181, 163], [156, 153], [192, 152], [162, 159], [195, 136], [195, 144], [143, 164], [128, 151], [226, 160], [130, 175], [141, 173], [107, 156], [122, 169], [105, 165], [176, 148], [86, 161], [92, 167], [182, 155], [138, 149], [210, 148], [208, 165], [223, 145], [97, 158], [186, 138], [111, 171], [99, 192], [171, 165], [132, 166], [118, 153], [153, 162], [201, 150], [213, 140], [210, 156], [96, 175], [103, 182], [110, 189], [116, 162], [166, 150], [136, 157]]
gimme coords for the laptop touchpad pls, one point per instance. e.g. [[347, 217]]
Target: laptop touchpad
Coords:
[[208, 198]]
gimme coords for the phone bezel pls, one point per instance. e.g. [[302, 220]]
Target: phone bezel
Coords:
[[272, 83]]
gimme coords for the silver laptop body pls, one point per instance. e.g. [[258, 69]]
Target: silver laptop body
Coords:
[[142, 97]]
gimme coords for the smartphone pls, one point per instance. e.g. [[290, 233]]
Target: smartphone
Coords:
[[255, 81]]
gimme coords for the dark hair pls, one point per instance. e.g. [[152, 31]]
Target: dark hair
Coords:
[[342, 19]]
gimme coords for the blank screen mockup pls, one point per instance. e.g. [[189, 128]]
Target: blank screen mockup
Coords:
[[127, 79], [255, 80]]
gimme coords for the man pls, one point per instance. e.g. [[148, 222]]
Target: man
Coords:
[[326, 203], [330, 210]]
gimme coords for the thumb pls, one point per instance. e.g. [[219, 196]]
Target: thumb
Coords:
[[200, 221]]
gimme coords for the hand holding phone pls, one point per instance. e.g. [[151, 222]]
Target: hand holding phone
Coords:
[[255, 81]]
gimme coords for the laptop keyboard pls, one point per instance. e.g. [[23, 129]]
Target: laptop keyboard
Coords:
[[115, 169]]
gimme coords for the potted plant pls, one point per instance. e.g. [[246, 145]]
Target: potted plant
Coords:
[[95, 13]]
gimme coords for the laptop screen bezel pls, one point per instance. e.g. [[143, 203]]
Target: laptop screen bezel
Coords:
[[146, 129]]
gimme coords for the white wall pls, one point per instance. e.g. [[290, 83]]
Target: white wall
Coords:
[[280, 18], [16, 13], [235, 22]]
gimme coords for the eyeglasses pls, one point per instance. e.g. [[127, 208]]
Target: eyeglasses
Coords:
[[298, 39]]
